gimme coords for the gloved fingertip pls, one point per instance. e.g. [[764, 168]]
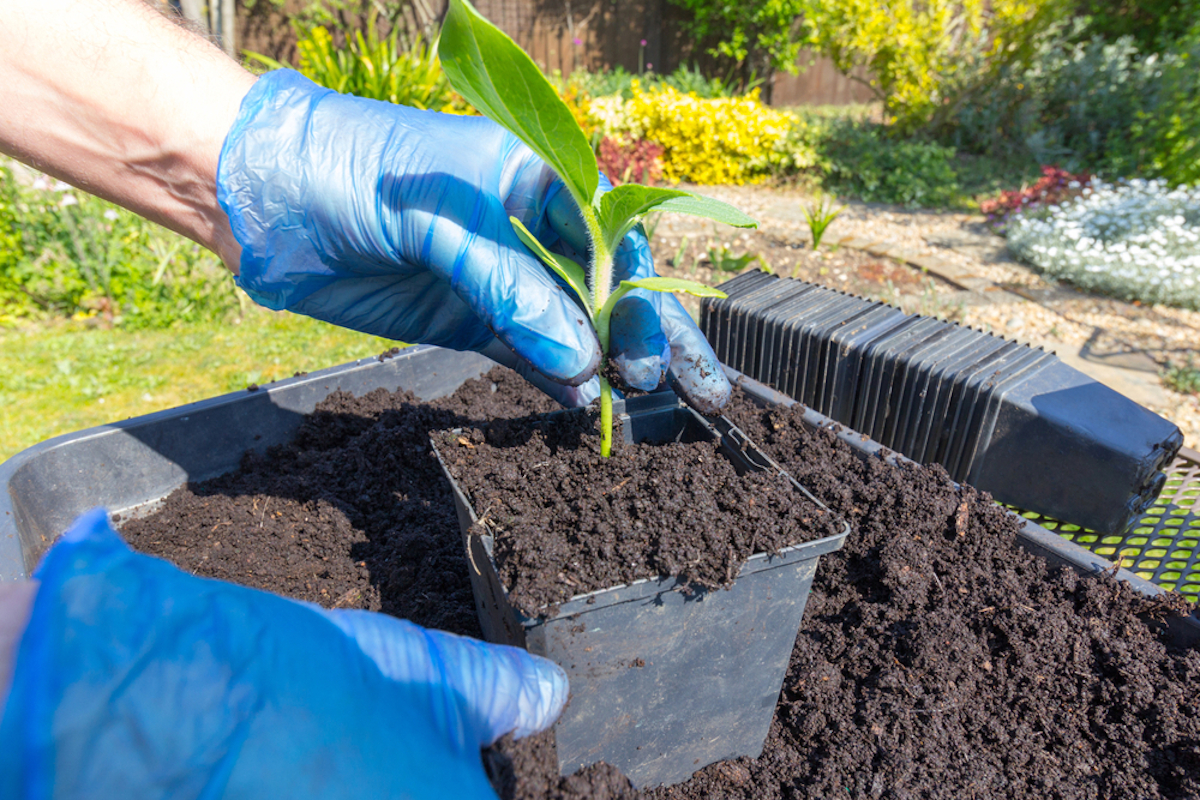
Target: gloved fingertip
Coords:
[[545, 694], [702, 385], [638, 347], [568, 396], [641, 373], [590, 365], [695, 374]]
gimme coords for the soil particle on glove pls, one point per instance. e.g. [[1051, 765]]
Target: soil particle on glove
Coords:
[[936, 658], [567, 521]]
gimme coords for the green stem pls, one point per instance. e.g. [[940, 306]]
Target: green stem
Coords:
[[605, 418], [601, 288]]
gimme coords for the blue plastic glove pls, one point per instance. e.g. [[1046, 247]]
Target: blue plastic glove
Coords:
[[394, 221], [134, 679]]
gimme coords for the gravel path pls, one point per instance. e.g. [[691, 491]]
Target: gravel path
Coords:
[[1125, 345]]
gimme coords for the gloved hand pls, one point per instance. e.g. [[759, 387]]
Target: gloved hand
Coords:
[[394, 221], [134, 679]]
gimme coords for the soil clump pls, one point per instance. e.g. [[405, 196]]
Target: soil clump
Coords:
[[936, 659]]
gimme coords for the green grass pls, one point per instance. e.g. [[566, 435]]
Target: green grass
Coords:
[[63, 378]]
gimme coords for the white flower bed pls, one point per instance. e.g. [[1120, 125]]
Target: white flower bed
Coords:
[[1138, 240]]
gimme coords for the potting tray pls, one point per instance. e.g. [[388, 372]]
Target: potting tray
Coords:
[[1035, 538], [129, 466]]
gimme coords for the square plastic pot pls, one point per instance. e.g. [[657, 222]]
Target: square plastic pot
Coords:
[[662, 682]]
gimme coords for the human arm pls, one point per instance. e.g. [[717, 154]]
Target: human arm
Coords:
[[371, 216], [112, 97]]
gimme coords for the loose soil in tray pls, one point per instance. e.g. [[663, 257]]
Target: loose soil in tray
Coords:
[[567, 521], [936, 658]]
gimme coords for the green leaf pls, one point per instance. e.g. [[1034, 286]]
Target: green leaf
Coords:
[[674, 285], [654, 284], [621, 209], [700, 206], [266, 61], [498, 78], [567, 269]]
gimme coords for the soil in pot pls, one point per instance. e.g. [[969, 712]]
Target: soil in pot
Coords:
[[567, 521], [936, 658]]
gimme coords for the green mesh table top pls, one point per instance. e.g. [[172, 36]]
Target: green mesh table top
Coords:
[[1164, 547]]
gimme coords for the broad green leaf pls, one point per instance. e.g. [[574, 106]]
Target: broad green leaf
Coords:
[[567, 269], [621, 209], [674, 285], [498, 78], [700, 206]]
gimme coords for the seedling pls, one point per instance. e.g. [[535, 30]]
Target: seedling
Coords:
[[496, 76], [723, 259], [820, 216], [677, 261]]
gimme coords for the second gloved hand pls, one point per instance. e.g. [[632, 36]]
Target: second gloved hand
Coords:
[[134, 679], [395, 221]]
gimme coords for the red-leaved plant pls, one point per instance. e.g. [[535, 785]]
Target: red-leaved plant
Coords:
[[638, 161], [1054, 187]]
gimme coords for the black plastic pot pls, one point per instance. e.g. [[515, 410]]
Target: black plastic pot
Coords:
[[999, 415], [662, 683]]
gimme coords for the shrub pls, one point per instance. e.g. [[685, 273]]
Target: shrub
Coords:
[[66, 253], [1055, 187], [1137, 240], [1154, 24], [639, 161], [725, 140], [757, 36], [860, 159], [793, 153], [926, 58], [1095, 104], [616, 81], [406, 72], [1168, 130], [1072, 103]]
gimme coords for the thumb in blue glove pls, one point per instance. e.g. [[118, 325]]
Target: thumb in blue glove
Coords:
[[134, 679]]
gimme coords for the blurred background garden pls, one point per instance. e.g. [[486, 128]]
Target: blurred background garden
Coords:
[[1071, 127]]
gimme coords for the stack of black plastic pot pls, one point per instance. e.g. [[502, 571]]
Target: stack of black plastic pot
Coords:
[[1002, 416]]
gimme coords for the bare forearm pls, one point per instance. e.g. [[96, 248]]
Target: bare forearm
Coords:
[[113, 98]]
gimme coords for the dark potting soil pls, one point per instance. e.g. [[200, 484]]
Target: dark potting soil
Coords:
[[567, 521], [936, 658]]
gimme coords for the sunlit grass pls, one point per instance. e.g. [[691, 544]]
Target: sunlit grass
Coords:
[[62, 378]]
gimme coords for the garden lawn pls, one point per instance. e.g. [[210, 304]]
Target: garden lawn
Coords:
[[60, 379]]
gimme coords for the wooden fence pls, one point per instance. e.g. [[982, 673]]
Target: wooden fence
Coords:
[[565, 35]]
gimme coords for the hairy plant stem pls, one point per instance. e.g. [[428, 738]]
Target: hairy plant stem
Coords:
[[601, 274]]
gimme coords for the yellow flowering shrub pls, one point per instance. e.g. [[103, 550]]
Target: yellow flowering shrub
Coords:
[[609, 117], [923, 54], [706, 141]]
